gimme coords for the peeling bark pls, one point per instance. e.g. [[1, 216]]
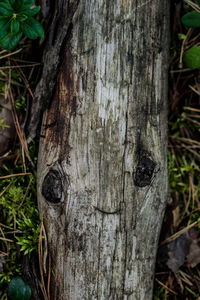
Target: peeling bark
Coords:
[[102, 167]]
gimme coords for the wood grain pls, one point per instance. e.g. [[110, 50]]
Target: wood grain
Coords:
[[107, 123]]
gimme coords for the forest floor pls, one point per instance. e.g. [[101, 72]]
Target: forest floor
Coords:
[[177, 271]]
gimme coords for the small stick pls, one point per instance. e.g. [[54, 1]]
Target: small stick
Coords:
[[14, 175], [166, 287]]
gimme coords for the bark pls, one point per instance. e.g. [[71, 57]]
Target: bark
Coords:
[[102, 166]]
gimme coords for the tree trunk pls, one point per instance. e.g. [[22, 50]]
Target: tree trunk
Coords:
[[102, 166]]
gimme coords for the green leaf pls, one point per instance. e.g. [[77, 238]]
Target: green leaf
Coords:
[[181, 36], [4, 11], [18, 290], [32, 11], [18, 5], [26, 292], [6, 5], [30, 2], [32, 28], [21, 18], [5, 27], [4, 20], [191, 19], [28, 31], [27, 5], [10, 41], [6, 1], [191, 58], [14, 26]]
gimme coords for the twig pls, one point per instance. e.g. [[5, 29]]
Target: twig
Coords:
[[40, 254], [22, 66], [184, 278], [28, 187], [194, 90], [14, 175], [8, 227], [2, 254], [179, 71], [189, 141], [179, 282], [20, 133], [6, 188], [177, 234], [5, 239], [9, 54], [192, 108], [26, 83], [193, 5], [24, 61], [166, 287], [192, 151], [183, 46], [45, 250], [49, 278]]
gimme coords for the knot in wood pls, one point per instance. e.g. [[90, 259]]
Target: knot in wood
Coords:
[[144, 170], [52, 187]]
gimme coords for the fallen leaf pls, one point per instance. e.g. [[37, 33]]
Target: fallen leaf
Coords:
[[178, 250], [185, 248], [193, 257]]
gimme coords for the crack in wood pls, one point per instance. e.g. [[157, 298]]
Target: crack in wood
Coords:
[[45, 88], [117, 211]]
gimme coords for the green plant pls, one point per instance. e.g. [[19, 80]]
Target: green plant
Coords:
[[20, 223], [191, 19], [29, 241], [20, 104], [18, 290], [191, 57], [160, 294], [15, 206], [3, 125], [18, 209], [16, 19], [11, 268]]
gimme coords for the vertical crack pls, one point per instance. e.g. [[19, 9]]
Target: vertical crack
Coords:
[[112, 263], [99, 258], [123, 167], [123, 197], [125, 258]]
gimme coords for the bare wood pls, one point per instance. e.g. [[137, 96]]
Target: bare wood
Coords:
[[102, 168]]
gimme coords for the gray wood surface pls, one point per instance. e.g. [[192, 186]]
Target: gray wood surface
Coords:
[[102, 166]]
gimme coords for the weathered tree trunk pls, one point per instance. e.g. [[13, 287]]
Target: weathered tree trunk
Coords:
[[102, 167]]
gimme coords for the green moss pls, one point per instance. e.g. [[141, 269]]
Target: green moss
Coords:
[[19, 218]]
